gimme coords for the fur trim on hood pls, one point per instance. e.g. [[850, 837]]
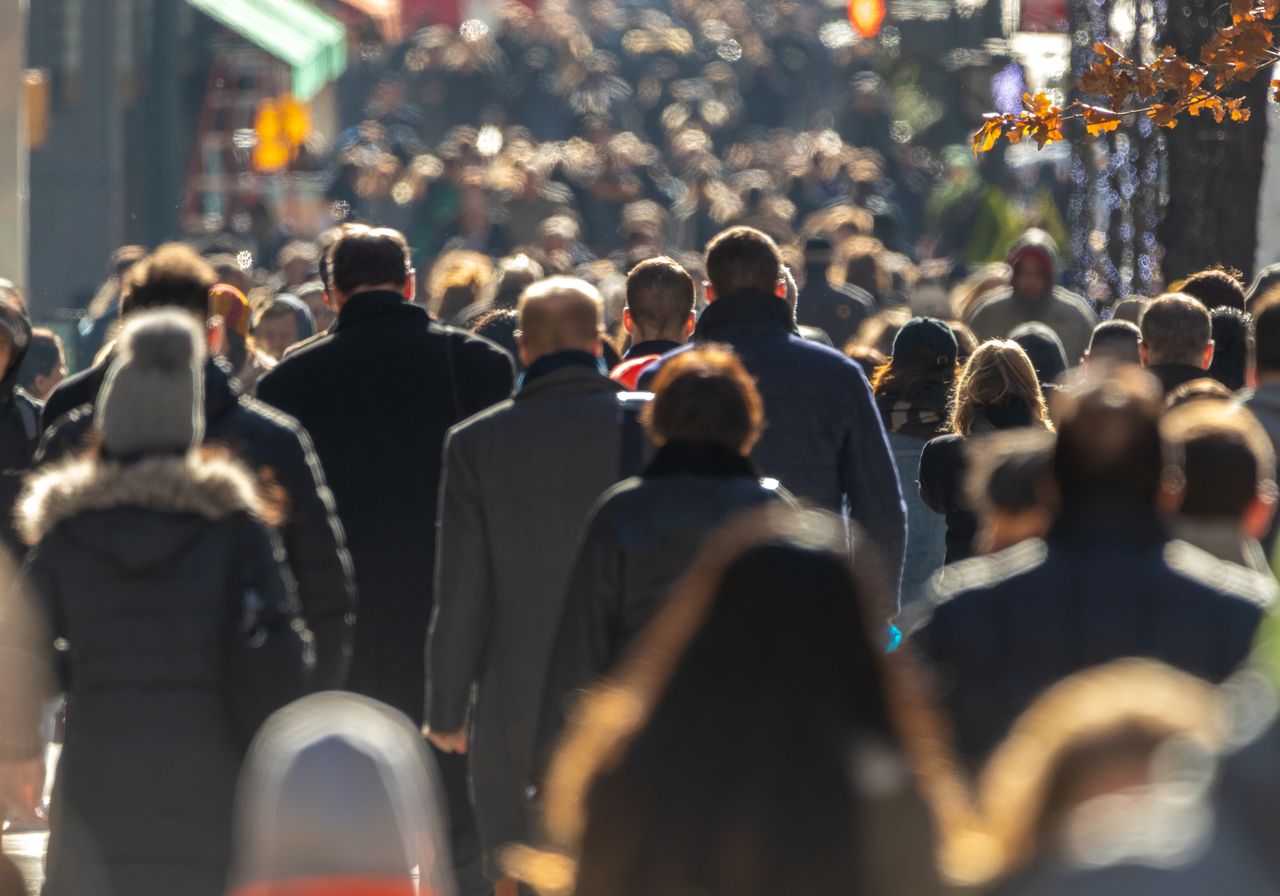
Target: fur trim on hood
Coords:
[[213, 488]]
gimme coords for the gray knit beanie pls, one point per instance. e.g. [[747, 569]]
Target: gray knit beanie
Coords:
[[152, 401]]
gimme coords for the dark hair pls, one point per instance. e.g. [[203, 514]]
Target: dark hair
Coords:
[[1232, 347], [1266, 330], [1176, 330], [1224, 454], [685, 791], [1045, 349], [742, 258], [705, 395], [660, 294], [1008, 469], [1115, 341], [366, 256], [499, 325], [44, 353], [1109, 446], [1215, 288], [172, 276], [1130, 309]]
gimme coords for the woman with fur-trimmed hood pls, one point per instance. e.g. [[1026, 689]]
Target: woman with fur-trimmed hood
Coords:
[[167, 606]]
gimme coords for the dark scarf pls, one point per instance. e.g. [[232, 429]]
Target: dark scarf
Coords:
[[681, 458], [559, 361], [922, 416]]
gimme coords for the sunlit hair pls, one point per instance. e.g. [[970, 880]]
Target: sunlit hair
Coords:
[[457, 279], [998, 373], [857, 697], [1116, 713], [705, 395]]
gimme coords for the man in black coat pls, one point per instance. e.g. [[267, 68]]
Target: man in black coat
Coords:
[[270, 443], [19, 418], [377, 394], [1177, 340], [824, 440], [836, 310], [1105, 583], [518, 483]]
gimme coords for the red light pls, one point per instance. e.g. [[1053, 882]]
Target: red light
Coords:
[[866, 16]]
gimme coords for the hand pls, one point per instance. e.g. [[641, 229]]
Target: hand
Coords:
[[449, 741], [22, 787]]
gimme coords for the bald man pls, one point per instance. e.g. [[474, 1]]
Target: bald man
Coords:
[[518, 483]]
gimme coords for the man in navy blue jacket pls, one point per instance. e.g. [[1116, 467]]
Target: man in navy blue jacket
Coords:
[[824, 439]]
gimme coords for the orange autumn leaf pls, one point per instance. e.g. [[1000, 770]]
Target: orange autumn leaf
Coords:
[[987, 135], [1098, 120]]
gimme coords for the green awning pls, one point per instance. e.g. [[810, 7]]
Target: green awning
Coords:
[[312, 43]]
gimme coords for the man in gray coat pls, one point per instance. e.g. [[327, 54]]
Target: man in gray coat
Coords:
[[519, 480]]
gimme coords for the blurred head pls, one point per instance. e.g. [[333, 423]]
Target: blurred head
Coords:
[[1233, 347], [457, 280], [1130, 309], [705, 396], [1266, 279], [1109, 449], [365, 259], [559, 314], [1227, 462], [660, 297], [1197, 390], [1009, 486], [44, 366], [1215, 288], [499, 325], [1094, 735], [1045, 350], [152, 400], [280, 323], [299, 261], [172, 276], [312, 295], [743, 259], [674, 759], [924, 358], [511, 277], [15, 342], [339, 790], [998, 375], [1033, 261], [229, 271], [1176, 329], [1114, 342]]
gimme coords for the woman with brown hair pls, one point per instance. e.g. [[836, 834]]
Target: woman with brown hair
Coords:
[[997, 389], [705, 417], [756, 740]]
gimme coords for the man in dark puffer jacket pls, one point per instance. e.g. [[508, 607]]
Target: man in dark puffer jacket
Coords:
[[1105, 583]]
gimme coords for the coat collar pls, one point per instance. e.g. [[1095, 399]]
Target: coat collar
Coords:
[[699, 459], [650, 347], [377, 303], [746, 310], [570, 378], [1114, 522]]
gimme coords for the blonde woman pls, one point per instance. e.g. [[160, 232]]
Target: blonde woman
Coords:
[[997, 390]]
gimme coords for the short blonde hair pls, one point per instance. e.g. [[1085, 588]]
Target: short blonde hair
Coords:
[[560, 313]]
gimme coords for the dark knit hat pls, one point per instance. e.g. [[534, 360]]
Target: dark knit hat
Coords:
[[152, 401]]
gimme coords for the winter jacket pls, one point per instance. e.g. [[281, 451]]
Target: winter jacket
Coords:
[[944, 466], [19, 428], [1105, 584], [637, 360], [377, 394], [836, 310], [824, 439], [146, 573], [642, 535], [276, 447], [518, 484], [1061, 310]]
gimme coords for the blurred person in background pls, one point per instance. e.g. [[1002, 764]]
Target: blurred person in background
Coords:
[[1264, 402], [1177, 340], [912, 391], [104, 308], [996, 390], [517, 485], [659, 315], [1105, 583], [382, 450], [1010, 487], [1130, 309], [696, 747], [1114, 342], [1197, 390], [174, 622], [1229, 468], [1047, 355], [19, 418], [1233, 348], [312, 294], [1033, 295], [45, 365], [824, 438], [234, 340], [836, 310], [1215, 288], [280, 323], [643, 533], [457, 280], [339, 795]]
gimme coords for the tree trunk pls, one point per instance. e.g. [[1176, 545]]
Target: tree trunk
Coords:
[[1215, 170]]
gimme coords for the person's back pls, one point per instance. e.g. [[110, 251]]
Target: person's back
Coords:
[[1033, 296], [149, 563], [824, 440], [518, 482], [836, 310], [1105, 583], [377, 394]]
